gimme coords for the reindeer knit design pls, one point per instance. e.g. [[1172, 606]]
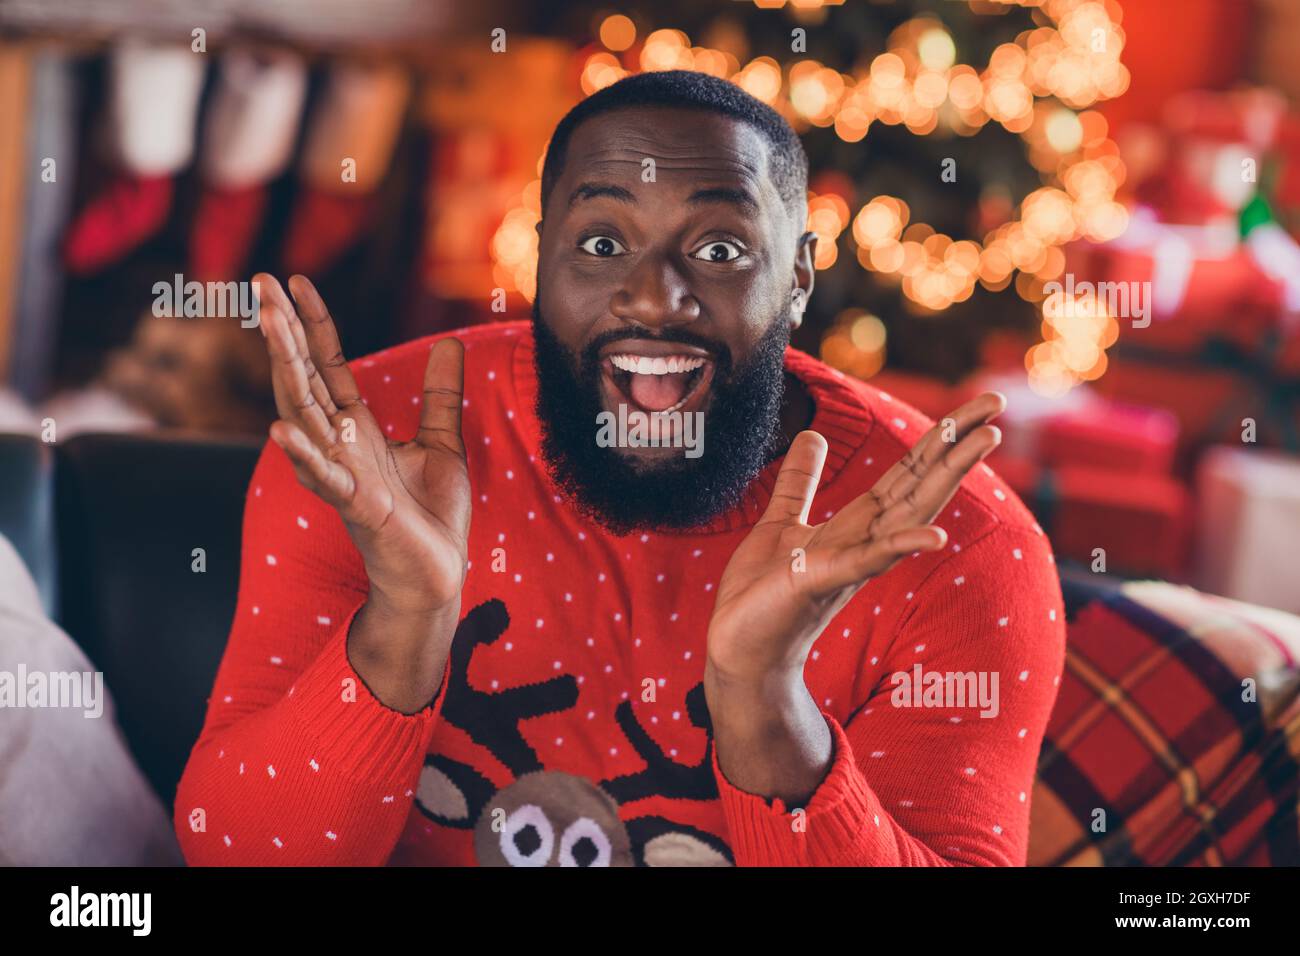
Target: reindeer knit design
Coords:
[[571, 726]]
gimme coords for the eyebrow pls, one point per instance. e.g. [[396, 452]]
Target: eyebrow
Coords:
[[724, 194], [595, 190]]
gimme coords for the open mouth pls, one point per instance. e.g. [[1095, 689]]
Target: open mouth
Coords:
[[656, 377]]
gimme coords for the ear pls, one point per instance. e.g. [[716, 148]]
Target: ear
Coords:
[[801, 291]]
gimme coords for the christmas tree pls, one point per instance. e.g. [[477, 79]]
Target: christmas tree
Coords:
[[954, 151]]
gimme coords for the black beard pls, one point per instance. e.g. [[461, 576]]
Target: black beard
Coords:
[[742, 430]]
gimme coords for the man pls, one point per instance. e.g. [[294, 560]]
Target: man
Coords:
[[630, 655]]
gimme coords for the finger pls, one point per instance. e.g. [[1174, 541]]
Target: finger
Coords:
[[904, 475], [323, 343], [927, 497], [266, 285], [947, 433], [444, 389], [854, 565], [293, 397], [269, 294], [318, 474], [797, 481]]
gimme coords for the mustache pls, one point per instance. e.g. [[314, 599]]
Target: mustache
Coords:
[[718, 351], [588, 359]]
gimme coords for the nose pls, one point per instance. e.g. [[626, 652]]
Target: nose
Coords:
[[656, 295]]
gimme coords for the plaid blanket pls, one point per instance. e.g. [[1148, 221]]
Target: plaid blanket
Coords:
[[1175, 740]]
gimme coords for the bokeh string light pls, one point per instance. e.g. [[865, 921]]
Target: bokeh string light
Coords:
[[1039, 86]]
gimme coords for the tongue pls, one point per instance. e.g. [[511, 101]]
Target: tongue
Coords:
[[656, 393]]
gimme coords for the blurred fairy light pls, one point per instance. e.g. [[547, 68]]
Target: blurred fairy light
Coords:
[[1076, 333], [601, 70], [617, 32], [827, 217], [855, 343], [761, 79], [1039, 86], [514, 245], [936, 49]]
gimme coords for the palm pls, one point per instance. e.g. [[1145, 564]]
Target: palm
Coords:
[[411, 501], [406, 505], [787, 579]]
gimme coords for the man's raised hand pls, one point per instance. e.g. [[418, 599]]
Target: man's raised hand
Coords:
[[788, 578], [406, 505]]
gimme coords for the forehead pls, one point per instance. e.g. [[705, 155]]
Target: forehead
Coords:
[[690, 148]]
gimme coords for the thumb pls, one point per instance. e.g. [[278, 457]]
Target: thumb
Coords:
[[444, 386], [797, 482]]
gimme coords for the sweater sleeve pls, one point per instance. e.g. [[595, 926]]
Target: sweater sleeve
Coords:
[[934, 785], [298, 763]]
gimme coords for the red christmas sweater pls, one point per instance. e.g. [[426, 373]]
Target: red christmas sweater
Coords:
[[571, 726]]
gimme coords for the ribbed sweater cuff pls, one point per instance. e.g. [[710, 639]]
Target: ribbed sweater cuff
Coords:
[[354, 730], [839, 818]]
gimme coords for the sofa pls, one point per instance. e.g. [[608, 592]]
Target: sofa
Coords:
[[108, 524], [1175, 739]]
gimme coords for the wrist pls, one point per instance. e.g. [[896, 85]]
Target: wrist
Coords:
[[410, 600], [409, 604], [394, 631], [751, 682], [753, 704], [400, 654], [770, 737]]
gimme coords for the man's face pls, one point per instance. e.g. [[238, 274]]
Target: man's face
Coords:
[[667, 284]]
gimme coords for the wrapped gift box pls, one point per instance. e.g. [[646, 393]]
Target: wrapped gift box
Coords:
[[1248, 526], [1208, 403], [1141, 521], [1210, 135], [1203, 281], [1111, 435]]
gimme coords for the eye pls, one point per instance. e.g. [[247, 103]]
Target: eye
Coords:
[[584, 843], [602, 246], [528, 837], [717, 251]]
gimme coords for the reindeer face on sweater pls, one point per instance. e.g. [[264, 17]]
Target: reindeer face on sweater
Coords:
[[550, 817]]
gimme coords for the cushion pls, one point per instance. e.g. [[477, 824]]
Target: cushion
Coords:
[[1175, 738]]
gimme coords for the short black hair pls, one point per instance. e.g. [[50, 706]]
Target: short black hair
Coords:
[[687, 89]]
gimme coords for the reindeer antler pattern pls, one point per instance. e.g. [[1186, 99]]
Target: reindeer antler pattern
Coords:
[[664, 776], [550, 817], [492, 719]]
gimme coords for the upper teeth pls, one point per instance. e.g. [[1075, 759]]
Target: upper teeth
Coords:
[[644, 365]]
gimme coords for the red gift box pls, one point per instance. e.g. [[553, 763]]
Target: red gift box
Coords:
[[1211, 134], [1113, 435], [1142, 522], [1201, 282], [1210, 403]]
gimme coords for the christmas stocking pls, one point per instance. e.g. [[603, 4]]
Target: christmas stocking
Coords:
[[349, 146], [153, 100], [248, 139]]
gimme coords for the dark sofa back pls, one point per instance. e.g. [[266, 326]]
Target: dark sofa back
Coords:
[[130, 511]]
